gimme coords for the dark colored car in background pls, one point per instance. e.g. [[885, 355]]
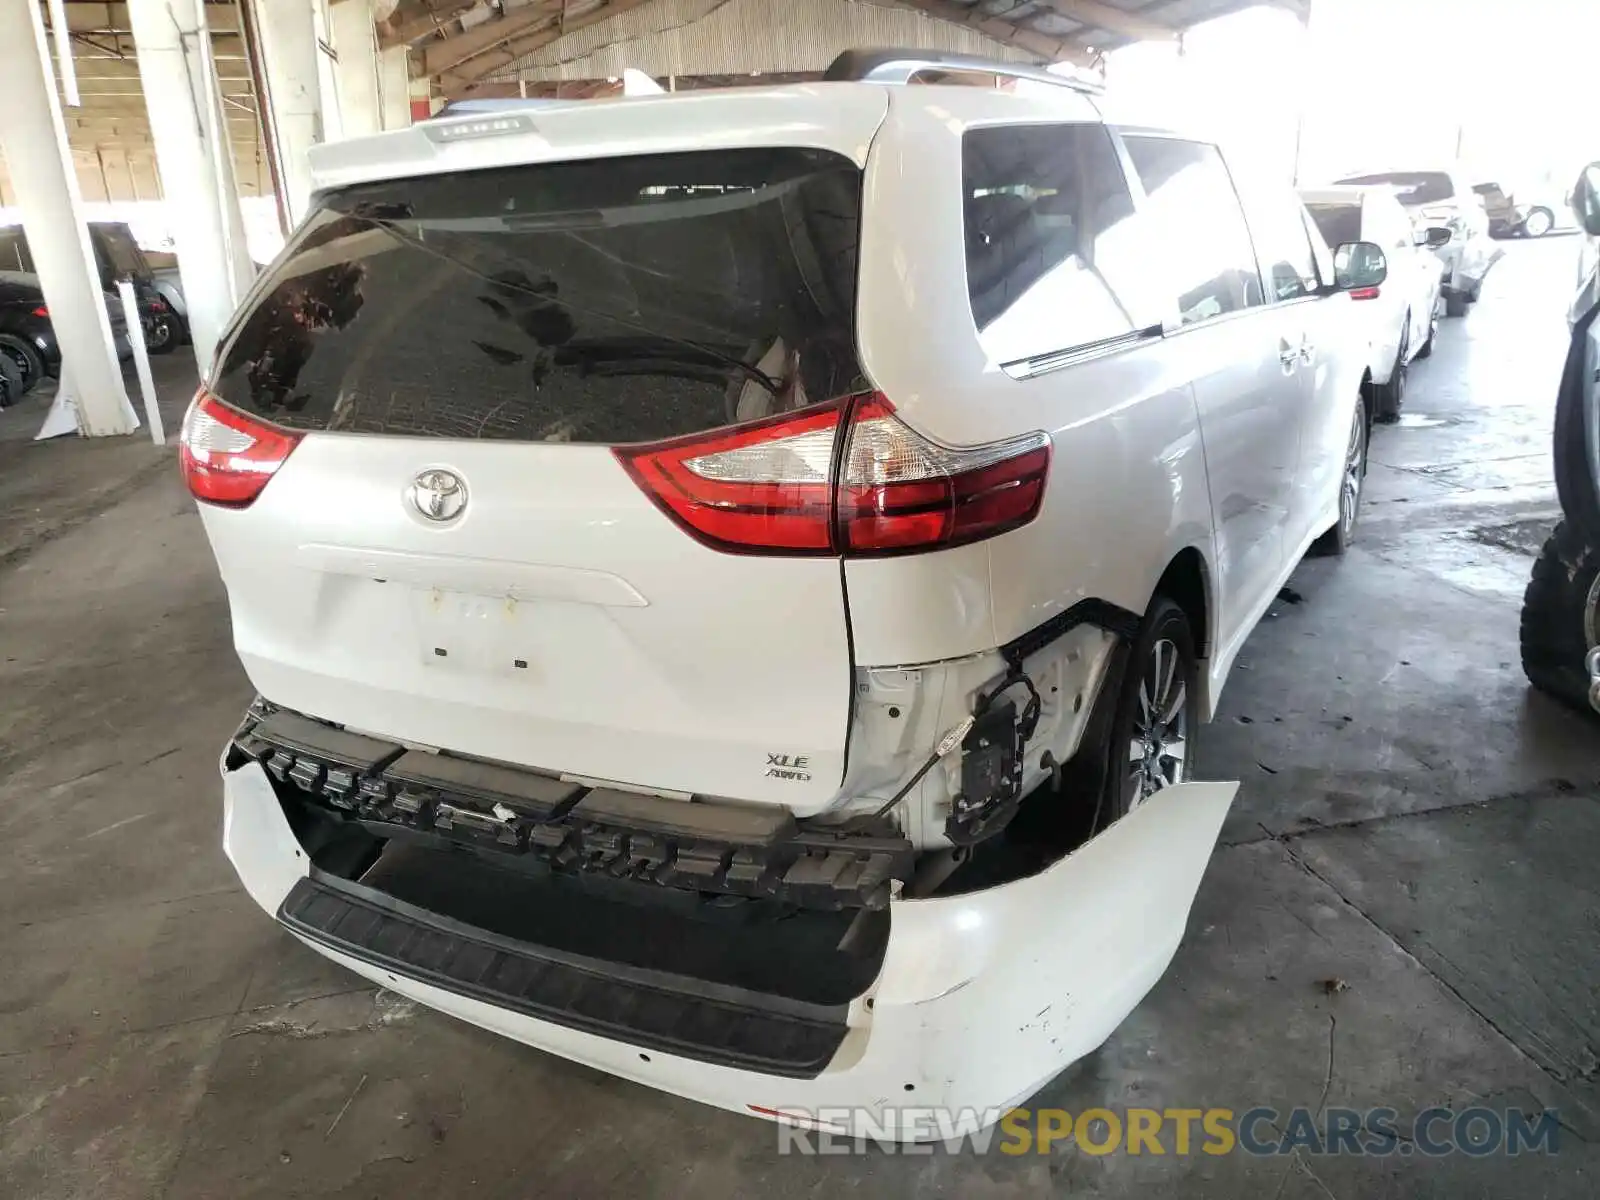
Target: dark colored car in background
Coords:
[[28, 340], [1519, 212], [118, 256]]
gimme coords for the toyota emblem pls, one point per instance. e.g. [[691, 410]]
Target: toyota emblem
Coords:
[[439, 495]]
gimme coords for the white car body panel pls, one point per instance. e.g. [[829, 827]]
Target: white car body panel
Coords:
[[837, 117], [343, 598], [981, 1000]]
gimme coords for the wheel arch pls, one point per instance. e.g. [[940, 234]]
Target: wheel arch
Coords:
[[1187, 582], [1368, 395]]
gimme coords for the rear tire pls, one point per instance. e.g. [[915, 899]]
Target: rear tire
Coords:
[[1352, 482], [1558, 617], [1387, 398], [1150, 703], [1538, 223], [11, 388], [1455, 304], [164, 335], [25, 358]]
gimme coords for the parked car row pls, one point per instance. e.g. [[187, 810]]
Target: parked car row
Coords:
[[27, 339], [1402, 314], [1442, 198]]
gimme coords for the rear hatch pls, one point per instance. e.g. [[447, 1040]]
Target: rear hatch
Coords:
[[441, 473]]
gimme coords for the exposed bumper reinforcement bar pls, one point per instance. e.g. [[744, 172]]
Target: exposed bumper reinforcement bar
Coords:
[[697, 845]]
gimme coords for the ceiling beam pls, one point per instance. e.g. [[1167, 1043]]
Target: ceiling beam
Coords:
[[460, 80], [1044, 47], [409, 22], [113, 18], [121, 85], [442, 56], [94, 103], [1110, 19]]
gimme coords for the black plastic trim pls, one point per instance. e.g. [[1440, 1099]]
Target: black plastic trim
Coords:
[[712, 1023], [1113, 618]]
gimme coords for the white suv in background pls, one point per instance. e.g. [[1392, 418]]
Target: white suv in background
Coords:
[[1402, 313], [1443, 198], [733, 578]]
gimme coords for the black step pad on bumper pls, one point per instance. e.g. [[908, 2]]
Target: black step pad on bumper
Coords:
[[709, 1022]]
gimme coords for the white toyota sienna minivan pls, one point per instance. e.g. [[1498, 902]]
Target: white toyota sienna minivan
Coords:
[[733, 579]]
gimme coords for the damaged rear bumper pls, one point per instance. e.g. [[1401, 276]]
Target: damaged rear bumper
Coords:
[[977, 1001]]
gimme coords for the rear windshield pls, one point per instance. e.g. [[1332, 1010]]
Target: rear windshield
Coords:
[[1339, 223], [1413, 187], [619, 300]]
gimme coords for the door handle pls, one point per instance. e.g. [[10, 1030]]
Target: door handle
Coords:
[[1287, 355], [1307, 352]]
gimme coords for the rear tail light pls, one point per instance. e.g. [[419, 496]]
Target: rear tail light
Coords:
[[42, 311], [226, 456], [899, 491], [1366, 293], [846, 477]]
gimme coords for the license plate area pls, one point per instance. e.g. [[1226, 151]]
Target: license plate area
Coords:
[[473, 634]]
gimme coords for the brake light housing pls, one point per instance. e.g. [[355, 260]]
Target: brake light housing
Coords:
[[845, 478], [227, 457]]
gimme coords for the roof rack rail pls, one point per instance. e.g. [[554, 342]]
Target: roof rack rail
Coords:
[[902, 66]]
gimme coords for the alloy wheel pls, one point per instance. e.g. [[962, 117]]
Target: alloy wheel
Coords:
[[21, 364], [1158, 751], [1354, 470]]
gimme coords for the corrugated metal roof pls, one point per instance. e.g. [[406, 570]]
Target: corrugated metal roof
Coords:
[[707, 37], [714, 37]]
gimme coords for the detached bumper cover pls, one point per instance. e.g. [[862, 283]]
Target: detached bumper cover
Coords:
[[981, 999]]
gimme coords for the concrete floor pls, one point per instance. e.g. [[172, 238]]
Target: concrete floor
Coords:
[[1413, 823]]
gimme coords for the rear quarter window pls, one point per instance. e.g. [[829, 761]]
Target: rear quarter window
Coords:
[[1053, 249], [606, 301]]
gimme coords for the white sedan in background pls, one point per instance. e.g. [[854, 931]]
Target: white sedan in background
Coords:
[[1404, 310]]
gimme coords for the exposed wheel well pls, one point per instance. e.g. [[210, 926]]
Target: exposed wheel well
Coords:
[[1366, 401], [1184, 582]]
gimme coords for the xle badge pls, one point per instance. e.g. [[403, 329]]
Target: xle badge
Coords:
[[788, 766]]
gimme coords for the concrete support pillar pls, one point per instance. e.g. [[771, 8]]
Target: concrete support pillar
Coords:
[[193, 156], [327, 71], [394, 80], [355, 41], [34, 141], [284, 53]]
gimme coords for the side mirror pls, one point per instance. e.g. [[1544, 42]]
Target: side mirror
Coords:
[[1358, 266], [1433, 237], [1586, 200]]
